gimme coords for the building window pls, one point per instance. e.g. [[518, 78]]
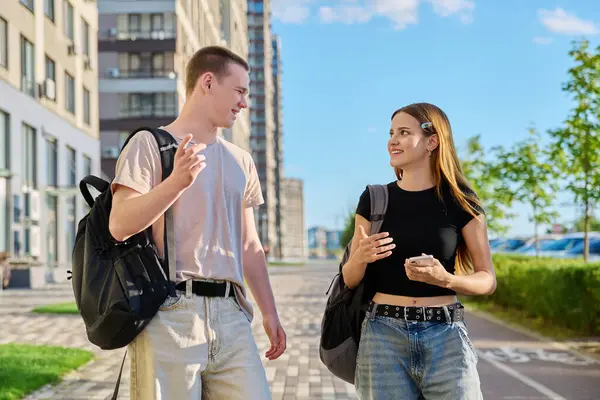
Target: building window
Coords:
[[135, 25], [3, 43], [86, 106], [27, 67], [4, 167], [29, 156], [29, 4], [4, 141], [49, 9], [50, 74], [51, 162], [68, 20], [52, 229], [72, 166], [85, 30], [71, 227], [70, 93], [87, 165]]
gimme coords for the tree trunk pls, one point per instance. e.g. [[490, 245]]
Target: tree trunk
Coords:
[[586, 242]]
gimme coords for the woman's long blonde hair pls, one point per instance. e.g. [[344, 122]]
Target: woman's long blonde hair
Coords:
[[446, 168]]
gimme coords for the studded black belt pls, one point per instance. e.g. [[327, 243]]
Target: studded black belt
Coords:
[[452, 312], [208, 289]]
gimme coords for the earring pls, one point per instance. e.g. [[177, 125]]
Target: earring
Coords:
[[429, 151]]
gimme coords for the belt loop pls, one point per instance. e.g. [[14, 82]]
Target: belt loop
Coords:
[[188, 289], [405, 314], [448, 318], [373, 312], [227, 288]]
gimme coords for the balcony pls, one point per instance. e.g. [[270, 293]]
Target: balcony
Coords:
[[117, 80], [148, 110], [131, 118], [135, 6], [135, 40]]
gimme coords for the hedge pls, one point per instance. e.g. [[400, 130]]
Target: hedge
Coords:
[[563, 292]]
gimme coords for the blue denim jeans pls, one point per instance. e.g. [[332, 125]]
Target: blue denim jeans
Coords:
[[399, 359]]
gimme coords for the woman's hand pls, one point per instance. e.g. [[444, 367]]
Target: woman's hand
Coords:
[[433, 272]]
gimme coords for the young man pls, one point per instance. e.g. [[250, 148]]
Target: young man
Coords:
[[200, 344]]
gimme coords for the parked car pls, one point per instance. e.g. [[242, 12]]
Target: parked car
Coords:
[[508, 245], [562, 246], [577, 250], [529, 248]]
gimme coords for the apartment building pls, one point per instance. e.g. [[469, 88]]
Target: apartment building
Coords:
[[294, 237], [278, 146], [49, 134], [143, 50], [262, 117]]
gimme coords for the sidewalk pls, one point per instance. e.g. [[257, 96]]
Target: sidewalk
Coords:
[[298, 374]]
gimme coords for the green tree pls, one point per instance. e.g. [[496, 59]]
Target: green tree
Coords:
[[348, 230], [579, 225], [489, 185], [576, 145], [531, 178]]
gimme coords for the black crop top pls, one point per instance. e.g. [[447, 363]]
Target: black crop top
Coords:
[[419, 223]]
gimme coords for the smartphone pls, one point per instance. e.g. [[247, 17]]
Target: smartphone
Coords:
[[426, 260]]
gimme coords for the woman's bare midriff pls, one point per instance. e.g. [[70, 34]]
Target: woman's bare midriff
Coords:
[[382, 298]]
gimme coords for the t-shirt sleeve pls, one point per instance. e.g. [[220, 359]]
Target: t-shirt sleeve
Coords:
[[138, 166], [253, 195], [364, 205], [465, 216]]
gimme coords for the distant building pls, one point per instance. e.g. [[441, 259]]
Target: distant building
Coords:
[[293, 245], [323, 243]]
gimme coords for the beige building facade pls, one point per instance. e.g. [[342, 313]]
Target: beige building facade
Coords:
[[49, 132], [294, 246]]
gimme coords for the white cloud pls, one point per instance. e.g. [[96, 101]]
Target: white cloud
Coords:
[[401, 12], [559, 21], [344, 14], [542, 40], [446, 8], [291, 11]]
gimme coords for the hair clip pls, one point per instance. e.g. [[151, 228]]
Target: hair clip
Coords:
[[426, 125]]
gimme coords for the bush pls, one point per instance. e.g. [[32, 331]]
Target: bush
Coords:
[[563, 292]]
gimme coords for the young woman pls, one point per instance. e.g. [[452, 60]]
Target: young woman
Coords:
[[414, 342]]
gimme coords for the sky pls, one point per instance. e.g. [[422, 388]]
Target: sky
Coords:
[[495, 67]]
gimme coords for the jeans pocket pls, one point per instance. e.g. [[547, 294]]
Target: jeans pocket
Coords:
[[172, 303]]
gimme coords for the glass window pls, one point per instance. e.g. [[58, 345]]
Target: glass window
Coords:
[[51, 229], [27, 67], [70, 93], [29, 156], [51, 162], [87, 165], [4, 140], [28, 4], [86, 106], [72, 166], [85, 39], [50, 69], [3, 43], [49, 9], [68, 20], [71, 227]]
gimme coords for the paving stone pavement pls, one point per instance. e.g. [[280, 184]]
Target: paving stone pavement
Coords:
[[297, 374]]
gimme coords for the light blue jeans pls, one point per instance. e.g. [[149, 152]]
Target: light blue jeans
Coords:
[[400, 359]]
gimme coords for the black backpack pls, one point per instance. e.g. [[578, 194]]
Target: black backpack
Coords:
[[346, 308], [119, 286]]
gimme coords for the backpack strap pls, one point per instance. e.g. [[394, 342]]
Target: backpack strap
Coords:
[[167, 146], [379, 203]]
